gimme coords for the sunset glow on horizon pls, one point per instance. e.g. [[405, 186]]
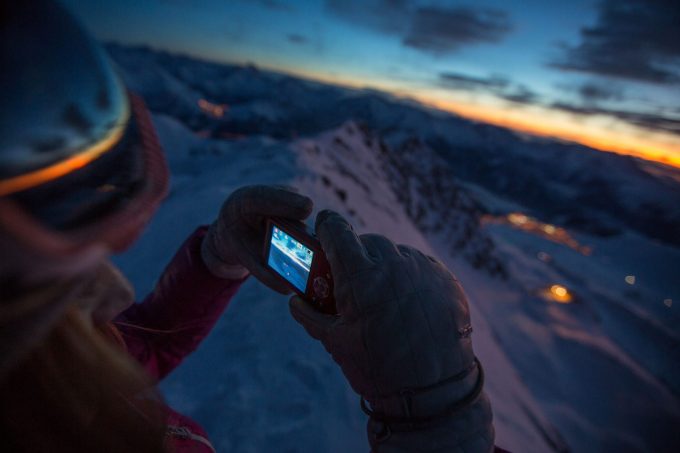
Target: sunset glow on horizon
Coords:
[[603, 74], [542, 122], [629, 143]]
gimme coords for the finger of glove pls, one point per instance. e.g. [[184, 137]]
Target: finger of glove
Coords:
[[318, 325], [345, 252], [379, 247], [269, 201]]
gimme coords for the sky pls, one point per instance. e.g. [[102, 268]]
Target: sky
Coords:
[[603, 73]]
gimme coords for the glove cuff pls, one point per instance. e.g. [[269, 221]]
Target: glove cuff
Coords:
[[412, 408], [216, 265]]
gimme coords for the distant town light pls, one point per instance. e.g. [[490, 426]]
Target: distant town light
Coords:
[[558, 290], [214, 110], [106, 188], [531, 225], [630, 279], [668, 302], [517, 219], [558, 293]]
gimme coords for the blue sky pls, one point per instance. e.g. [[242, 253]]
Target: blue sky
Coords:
[[576, 67]]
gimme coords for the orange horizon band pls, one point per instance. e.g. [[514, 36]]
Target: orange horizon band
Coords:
[[663, 153], [64, 167]]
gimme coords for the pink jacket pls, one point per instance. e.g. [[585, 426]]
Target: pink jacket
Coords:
[[184, 306]]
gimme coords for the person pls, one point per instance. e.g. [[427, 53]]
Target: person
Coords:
[[81, 173]]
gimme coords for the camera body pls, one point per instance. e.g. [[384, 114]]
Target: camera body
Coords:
[[294, 255]]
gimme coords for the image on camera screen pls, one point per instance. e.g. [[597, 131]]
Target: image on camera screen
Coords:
[[290, 258]]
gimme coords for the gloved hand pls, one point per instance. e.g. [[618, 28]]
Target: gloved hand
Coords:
[[402, 333], [233, 246]]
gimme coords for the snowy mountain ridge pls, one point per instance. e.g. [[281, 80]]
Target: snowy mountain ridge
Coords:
[[598, 374], [412, 177]]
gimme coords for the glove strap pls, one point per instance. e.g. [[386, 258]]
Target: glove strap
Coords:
[[409, 422]]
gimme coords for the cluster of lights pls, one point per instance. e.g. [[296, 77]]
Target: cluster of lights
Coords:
[[631, 280], [555, 293], [535, 226], [521, 220], [560, 294]]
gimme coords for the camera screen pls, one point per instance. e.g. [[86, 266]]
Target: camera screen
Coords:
[[290, 258]]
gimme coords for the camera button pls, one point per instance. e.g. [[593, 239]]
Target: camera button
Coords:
[[321, 287]]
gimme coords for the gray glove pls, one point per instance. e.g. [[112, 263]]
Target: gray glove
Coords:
[[233, 246], [402, 339]]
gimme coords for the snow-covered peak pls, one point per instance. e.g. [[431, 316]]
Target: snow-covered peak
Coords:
[[380, 186], [345, 168]]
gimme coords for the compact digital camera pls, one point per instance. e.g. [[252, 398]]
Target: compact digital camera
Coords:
[[294, 254]]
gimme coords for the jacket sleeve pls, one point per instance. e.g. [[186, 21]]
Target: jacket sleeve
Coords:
[[184, 306]]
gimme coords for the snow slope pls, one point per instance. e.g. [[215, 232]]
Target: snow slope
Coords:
[[599, 374], [259, 383], [580, 361]]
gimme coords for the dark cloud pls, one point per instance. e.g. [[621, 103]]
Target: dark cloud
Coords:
[[387, 16], [497, 85], [520, 94], [591, 92], [297, 39], [458, 81], [632, 39], [433, 29], [652, 121], [440, 30]]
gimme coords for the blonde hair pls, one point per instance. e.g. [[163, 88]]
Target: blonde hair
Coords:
[[78, 390]]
